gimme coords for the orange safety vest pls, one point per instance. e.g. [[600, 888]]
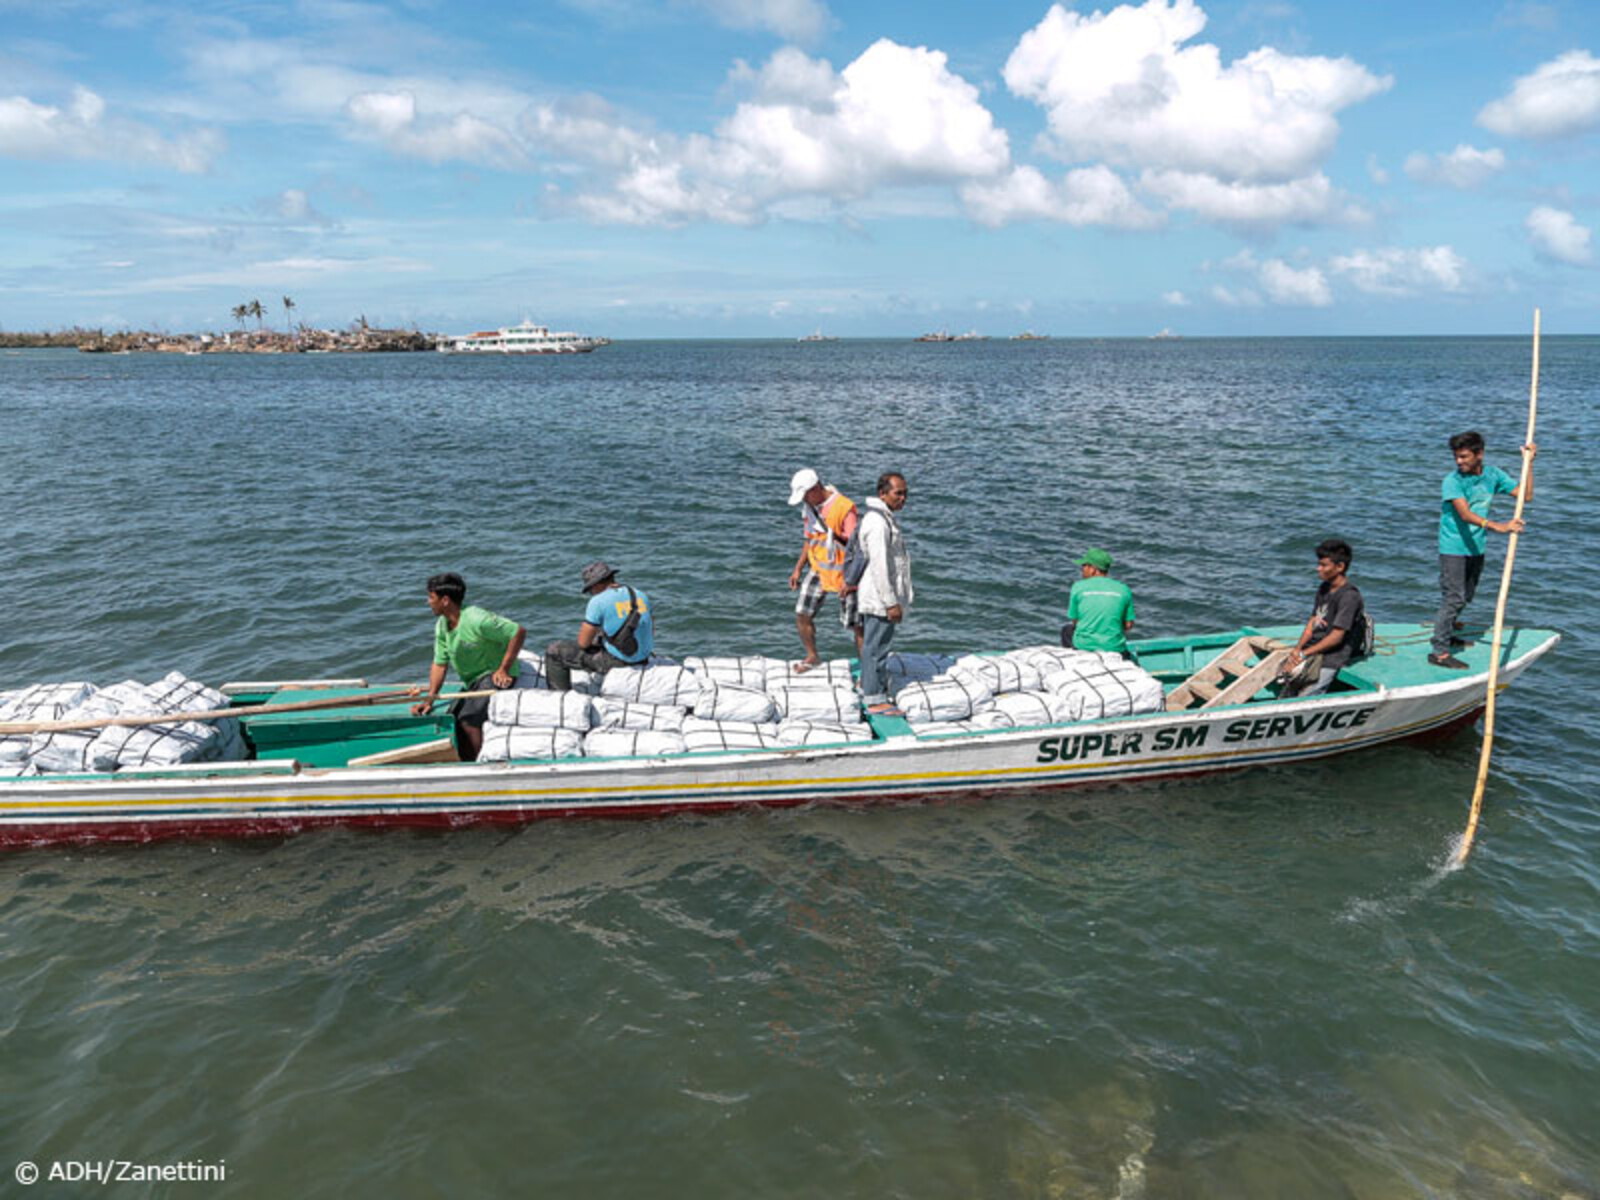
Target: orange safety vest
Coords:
[[825, 539]]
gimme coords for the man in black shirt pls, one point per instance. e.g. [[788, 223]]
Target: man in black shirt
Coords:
[[1327, 642]]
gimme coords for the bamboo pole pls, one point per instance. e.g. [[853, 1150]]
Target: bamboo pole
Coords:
[[1500, 613], [13, 728]]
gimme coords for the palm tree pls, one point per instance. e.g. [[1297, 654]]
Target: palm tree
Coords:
[[288, 311], [240, 312], [257, 312]]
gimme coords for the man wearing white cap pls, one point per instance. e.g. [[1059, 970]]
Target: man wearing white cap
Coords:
[[827, 519]]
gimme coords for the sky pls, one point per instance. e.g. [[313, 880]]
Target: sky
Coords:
[[767, 168]]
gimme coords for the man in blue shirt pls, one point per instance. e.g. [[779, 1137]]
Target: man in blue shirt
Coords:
[[1463, 524], [617, 630]]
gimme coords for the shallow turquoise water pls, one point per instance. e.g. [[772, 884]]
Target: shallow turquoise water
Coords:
[[1254, 986]]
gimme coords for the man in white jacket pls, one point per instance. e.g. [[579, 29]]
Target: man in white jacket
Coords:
[[885, 590]]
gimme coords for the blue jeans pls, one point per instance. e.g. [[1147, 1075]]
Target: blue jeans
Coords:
[[876, 634]]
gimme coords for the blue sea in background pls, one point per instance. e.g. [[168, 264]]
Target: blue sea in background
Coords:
[[1263, 985]]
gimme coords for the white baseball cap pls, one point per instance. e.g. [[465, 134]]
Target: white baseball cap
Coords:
[[804, 480]]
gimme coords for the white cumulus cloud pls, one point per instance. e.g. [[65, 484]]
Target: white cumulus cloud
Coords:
[[1175, 299], [1312, 200], [1559, 98], [1465, 167], [896, 115], [1301, 286], [1122, 86], [1087, 196], [394, 118], [82, 129], [1235, 297], [1394, 271], [1556, 234]]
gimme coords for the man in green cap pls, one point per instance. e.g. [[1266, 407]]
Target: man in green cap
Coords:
[[1100, 609]]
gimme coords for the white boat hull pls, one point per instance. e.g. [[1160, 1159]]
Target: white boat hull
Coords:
[[280, 797]]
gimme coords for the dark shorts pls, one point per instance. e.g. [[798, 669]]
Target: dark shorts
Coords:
[[474, 711]]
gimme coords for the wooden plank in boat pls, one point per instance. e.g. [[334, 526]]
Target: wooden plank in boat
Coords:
[[440, 750]]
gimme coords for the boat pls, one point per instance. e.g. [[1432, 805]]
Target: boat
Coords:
[[526, 338], [972, 335], [816, 336], [941, 336], [338, 767], [1028, 335]]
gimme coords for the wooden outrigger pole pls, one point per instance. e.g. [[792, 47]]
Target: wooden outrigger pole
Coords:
[[1500, 614]]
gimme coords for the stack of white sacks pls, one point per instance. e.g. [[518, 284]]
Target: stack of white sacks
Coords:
[[703, 703], [112, 747], [1034, 685]]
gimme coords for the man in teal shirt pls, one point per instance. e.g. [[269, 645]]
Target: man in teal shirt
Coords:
[[1463, 535], [482, 648], [1100, 609]]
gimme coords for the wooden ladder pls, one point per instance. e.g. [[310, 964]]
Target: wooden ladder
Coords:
[[1231, 677]]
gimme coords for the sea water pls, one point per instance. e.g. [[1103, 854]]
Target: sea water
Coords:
[[1257, 985]]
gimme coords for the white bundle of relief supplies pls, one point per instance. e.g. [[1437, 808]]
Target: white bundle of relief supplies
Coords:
[[833, 673], [530, 708], [123, 746], [531, 675], [41, 702], [904, 668], [1031, 708], [729, 702], [700, 733], [985, 722], [747, 670], [998, 674], [948, 698], [611, 713], [1103, 685], [620, 743], [1045, 658], [530, 670], [107, 748], [816, 733], [834, 705], [651, 684], [58, 752], [503, 743]]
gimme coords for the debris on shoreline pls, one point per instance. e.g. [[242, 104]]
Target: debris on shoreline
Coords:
[[359, 338]]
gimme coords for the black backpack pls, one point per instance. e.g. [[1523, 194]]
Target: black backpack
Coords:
[[625, 639], [1363, 635]]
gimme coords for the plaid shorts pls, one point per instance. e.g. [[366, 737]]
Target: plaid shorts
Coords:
[[812, 595]]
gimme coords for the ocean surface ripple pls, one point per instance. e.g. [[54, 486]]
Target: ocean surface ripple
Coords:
[[1265, 985]]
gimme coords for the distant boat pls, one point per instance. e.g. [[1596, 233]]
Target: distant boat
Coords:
[[971, 335], [526, 338], [941, 336], [1028, 335], [1166, 335], [817, 336]]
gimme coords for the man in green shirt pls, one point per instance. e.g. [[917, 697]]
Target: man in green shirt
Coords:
[[482, 648], [1100, 609]]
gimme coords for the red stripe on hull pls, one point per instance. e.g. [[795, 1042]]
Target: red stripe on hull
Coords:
[[1440, 733], [88, 832], [92, 832]]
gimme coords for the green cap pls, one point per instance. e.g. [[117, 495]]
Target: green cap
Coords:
[[1096, 557]]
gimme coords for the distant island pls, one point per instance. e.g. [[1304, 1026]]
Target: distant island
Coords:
[[302, 339], [358, 338]]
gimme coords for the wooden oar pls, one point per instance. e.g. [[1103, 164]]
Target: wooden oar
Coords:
[[9, 728], [1500, 613]]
